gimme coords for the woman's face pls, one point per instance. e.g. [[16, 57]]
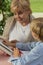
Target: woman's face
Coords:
[[22, 17], [35, 36]]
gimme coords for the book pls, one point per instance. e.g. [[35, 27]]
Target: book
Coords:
[[5, 48]]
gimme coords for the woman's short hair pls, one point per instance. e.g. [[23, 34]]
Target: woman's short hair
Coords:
[[37, 27], [21, 5]]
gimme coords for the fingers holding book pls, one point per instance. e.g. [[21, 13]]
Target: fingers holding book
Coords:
[[2, 52], [7, 42]]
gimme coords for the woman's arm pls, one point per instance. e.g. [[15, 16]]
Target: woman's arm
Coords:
[[8, 25]]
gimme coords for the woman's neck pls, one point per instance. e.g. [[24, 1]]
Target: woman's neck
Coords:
[[25, 23]]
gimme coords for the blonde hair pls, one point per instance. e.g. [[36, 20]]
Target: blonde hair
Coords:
[[37, 27], [21, 5]]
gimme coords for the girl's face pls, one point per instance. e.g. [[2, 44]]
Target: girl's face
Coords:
[[22, 17], [35, 36]]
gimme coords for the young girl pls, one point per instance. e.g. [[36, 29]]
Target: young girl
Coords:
[[35, 49]]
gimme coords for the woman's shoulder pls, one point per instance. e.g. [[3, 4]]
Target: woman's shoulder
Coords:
[[8, 25], [9, 19]]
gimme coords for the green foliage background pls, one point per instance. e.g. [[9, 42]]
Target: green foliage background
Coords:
[[36, 5], [5, 10]]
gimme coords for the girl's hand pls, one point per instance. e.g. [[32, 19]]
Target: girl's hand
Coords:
[[16, 52]]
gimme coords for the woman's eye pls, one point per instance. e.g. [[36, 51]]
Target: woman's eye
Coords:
[[18, 13]]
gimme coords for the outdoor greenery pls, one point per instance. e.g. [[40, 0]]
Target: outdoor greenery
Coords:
[[36, 6], [4, 13]]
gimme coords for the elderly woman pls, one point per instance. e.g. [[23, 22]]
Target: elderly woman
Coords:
[[17, 27]]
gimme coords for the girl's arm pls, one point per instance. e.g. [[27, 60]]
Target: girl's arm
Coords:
[[34, 54], [25, 46]]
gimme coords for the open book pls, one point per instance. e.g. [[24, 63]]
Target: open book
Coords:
[[5, 48]]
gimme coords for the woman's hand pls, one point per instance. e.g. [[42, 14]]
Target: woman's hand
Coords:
[[9, 43], [2, 52], [6, 42], [14, 41], [3, 40]]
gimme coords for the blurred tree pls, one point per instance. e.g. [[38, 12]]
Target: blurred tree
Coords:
[[4, 13]]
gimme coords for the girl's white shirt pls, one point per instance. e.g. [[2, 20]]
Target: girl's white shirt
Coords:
[[20, 33]]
